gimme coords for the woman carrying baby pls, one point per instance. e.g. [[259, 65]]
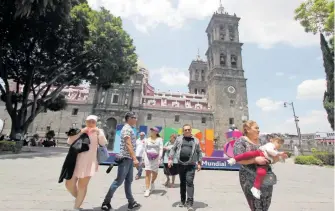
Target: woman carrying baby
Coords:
[[247, 143]]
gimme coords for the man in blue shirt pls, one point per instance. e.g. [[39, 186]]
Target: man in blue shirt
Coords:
[[126, 162]]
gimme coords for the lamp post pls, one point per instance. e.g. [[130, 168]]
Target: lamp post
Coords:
[[296, 120]]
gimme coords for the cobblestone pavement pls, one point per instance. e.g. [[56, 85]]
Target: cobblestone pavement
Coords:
[[30, 183]]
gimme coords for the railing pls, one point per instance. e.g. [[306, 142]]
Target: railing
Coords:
[[203, 110]]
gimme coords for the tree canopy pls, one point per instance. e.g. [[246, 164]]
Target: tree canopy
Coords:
[[44, 52], [317, 16]]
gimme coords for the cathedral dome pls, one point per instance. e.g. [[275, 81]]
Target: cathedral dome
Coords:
[[142, 68], [140, 65]]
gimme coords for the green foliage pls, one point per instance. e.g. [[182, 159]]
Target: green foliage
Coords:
[[289, 154], [326, 157], [45, 52], [60, 103], [317, 158], [316, 16], [109, 43], [307, 160], [328, 63], [7, 146]]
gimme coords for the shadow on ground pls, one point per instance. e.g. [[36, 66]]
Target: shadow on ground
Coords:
[[34, 152], [159, 192], [122, 208], [196, 205]]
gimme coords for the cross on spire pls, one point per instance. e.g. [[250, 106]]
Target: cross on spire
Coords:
[[198, 56], [221, 8]]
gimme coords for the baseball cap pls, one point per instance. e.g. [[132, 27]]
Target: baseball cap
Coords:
[[92, 117]]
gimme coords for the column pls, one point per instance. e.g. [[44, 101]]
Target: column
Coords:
[[227, 33], [228, 60], [237, 37]]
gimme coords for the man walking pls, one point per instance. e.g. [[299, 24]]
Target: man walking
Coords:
[[188, 152], [126, 161], [139, 154]]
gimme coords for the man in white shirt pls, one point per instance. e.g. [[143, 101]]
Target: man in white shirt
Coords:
[[139, 153]]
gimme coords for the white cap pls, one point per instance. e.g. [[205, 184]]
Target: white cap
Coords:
[[92, 117]]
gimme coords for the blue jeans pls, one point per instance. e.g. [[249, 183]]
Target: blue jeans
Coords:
[[140, 167], [124, 173]]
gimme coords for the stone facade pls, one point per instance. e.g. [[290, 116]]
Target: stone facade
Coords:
[[217, 95], [227, 91]]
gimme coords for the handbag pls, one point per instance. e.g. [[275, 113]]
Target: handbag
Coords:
[[102, 154], [82, 143], [270, 178]]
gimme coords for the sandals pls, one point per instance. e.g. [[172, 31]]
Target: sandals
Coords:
[[167, 183]]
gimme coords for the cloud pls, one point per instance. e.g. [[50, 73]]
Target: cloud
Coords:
[[311, 89], [279, 73], [263, 22], [313, 121], [266, 104], [292, 77], [170, 76]]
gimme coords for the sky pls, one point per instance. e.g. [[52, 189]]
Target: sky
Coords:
[[281, 62]]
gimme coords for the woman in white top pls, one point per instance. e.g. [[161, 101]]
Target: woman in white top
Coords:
[[153, 152]]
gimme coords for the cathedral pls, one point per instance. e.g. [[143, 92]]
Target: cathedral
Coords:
[[217, 97]]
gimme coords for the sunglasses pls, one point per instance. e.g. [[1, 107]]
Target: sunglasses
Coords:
[[187, 130], [133, 117]]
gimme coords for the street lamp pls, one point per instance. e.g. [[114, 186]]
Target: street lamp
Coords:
[[296, 120]]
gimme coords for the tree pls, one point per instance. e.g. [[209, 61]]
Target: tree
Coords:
[[328, 63], [317, 16], [25, 8], [45, 53]]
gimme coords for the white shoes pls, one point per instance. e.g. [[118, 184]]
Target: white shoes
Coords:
[[148, 191], [231, 161], [256, 192]]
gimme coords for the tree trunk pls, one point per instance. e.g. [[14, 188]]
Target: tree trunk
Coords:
[[16, 134]]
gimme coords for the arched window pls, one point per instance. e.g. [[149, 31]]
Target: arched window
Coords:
[[222, 59]]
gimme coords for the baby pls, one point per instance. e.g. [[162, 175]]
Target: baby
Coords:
[[269, 151]]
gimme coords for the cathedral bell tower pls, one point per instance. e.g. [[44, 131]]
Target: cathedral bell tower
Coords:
[[197, 73], [227, 91]]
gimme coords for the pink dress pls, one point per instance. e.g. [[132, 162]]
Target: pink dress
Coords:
[[87, 163]]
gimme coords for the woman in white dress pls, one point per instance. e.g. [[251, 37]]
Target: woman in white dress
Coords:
[[153, 152]]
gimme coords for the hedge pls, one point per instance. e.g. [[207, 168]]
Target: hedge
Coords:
[[325, 157], [7, 146], [307, 160]]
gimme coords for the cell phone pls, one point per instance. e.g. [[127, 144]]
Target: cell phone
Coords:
[[110, 168]]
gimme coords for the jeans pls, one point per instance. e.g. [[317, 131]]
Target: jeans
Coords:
[[124, 173], [140, 167], [186, 176]]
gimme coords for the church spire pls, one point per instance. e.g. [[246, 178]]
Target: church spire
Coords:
[[221, 8], [198, 58]]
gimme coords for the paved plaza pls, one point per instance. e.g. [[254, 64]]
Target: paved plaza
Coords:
[[30, 183]]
